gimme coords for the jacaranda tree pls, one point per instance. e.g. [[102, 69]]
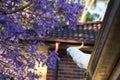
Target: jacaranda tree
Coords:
[[22, 22]]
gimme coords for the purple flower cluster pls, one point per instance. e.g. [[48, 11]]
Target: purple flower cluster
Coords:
[[21, 22], [32, 76], [52, 59]]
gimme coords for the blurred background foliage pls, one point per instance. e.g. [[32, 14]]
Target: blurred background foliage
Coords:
[[94, 10]]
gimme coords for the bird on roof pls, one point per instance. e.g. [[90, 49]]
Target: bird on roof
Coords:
[[79, 57]]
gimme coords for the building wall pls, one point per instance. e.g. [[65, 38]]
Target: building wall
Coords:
[[51, 75], [66, 70]]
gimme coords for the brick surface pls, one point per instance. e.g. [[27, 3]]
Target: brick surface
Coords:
[[67, 70]]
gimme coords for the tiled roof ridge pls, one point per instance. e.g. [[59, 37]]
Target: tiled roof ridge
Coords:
[[86, 23], [86, 32]]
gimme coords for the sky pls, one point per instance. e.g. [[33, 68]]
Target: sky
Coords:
[[100, 9]]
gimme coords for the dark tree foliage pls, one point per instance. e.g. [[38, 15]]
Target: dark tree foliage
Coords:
[[21, 21]]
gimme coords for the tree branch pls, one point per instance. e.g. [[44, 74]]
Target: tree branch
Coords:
[[16, 10]]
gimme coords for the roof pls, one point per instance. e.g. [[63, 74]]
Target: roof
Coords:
[[86, 32]]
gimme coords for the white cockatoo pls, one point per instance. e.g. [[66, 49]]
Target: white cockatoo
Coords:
[[79, 57]]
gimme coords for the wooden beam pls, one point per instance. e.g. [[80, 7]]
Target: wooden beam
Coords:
[[116, 72], [107, 47]]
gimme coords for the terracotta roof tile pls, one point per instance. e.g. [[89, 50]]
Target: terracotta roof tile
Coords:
[[85, 32]]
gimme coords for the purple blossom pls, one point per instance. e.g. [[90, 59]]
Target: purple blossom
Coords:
[[52, 59], [31, 65], [19, 30], [31, 48], [32, 75], [2, 18], [29, 34]]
